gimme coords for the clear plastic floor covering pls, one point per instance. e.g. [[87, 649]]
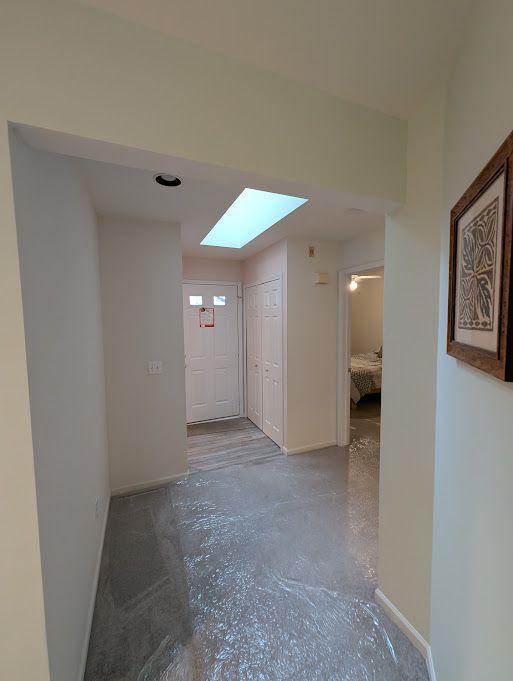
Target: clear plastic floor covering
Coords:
[[253, 572]]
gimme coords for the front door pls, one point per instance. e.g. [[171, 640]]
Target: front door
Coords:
[[211, 351]]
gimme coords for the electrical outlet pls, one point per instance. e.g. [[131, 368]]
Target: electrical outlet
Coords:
[[155, 367]]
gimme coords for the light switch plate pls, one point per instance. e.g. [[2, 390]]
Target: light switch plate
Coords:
[[155, 367]]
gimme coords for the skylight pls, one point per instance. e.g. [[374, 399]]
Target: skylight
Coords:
[[252, 213]]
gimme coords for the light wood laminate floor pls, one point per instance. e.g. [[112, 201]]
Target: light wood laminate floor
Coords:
[[226, 443]]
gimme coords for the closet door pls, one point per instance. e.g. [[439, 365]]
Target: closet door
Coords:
[[272, 330], [254, 353]]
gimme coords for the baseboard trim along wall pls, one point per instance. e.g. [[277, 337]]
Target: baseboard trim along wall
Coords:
[[146, 486], [309, 448], [90, 614], [408, 629]]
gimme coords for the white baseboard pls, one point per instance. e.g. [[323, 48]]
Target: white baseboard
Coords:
[[85, 645], [430, 665], [408, 629], [309, 448], [146, 486]]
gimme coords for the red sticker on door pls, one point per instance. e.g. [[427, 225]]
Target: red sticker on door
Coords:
[[206, 317]]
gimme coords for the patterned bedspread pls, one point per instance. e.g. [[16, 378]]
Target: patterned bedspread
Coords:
[[365, 374]]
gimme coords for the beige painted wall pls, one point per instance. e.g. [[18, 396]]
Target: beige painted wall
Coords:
[[367, 316], [58, 59], [62, 311], [464, 607], [23, 647], [141, 278], [363, 249], [311, 344], [472, 594], [409, 375], [212, 269]]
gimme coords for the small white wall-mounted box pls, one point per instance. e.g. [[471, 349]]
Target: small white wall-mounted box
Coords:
[[155, 367], [321, 278]]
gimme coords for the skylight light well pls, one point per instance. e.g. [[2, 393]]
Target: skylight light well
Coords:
[[253, 212]]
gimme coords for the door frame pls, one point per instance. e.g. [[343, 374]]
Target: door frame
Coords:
[[240, 340], [344, 348], [258, 282]]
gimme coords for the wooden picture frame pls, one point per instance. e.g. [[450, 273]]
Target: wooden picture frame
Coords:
[[480, 319]]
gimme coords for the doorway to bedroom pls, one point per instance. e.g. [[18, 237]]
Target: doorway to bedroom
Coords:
[[360, 348], [366, 343]]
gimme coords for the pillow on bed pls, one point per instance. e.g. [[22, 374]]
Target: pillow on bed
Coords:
[[380, 352]]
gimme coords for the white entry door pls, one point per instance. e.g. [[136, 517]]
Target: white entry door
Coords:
[[211, 351], [264, 366]]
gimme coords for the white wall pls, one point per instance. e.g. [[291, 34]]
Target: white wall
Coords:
[[212, 269], [472, 602], [362, 249], [62, 311], [141, 276], [409, 375], [270, 262], [311, 344], [367, 316]]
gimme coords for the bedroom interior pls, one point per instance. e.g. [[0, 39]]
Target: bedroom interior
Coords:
[[366, 340]]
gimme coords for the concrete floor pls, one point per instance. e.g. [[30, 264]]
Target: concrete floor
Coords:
[[261, 571]]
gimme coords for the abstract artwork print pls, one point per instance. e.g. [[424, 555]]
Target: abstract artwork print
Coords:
[[480, 300], [477, 270], [479, 236]]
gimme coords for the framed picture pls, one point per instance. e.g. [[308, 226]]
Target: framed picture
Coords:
[[480, 324]]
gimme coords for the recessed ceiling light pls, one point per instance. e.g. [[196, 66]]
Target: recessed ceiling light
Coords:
[[167, 180], [253, 212]]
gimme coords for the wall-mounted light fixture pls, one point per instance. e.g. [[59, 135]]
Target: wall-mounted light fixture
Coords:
[[356, 278]]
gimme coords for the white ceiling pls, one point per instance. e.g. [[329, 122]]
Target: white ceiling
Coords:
[[128, 192], [382, 53]]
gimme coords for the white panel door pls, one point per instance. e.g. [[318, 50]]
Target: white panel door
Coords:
[[272, 330], [254, 353], [212, 352]]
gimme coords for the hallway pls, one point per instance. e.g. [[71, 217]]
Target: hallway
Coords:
[[264, 570]]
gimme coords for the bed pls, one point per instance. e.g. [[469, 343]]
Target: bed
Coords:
[[365, 374]]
